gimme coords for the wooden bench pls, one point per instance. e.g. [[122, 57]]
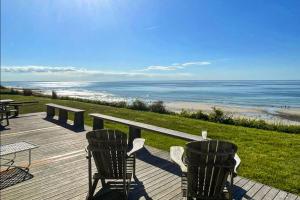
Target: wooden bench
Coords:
[[63, 114], [136, 127]]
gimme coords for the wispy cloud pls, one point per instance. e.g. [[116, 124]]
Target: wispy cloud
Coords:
[[74, 71], [174, 66], [37, 69], [161, 68], [196, 63]]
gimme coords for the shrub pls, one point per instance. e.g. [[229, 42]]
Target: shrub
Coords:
[[54, 95], [10, 91], [119, 104], [217, 115], [139, 105], [185, 113], [158, 107], [200, 115], [27, 92]]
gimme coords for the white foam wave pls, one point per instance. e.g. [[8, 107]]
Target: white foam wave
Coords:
[[85, 94], [59, 84]]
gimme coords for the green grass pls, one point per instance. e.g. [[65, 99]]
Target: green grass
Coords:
[[269, 157]]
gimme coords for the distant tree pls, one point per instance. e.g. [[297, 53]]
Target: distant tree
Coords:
[[54, 95]]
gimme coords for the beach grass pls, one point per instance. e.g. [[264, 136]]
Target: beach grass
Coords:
[[269, 157]]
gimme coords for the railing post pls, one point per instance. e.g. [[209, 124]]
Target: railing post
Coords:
[[79, 120], [50, 112], [134, 132], [98, 123]]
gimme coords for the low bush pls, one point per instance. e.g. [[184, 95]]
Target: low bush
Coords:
[[200, 115], [217, 115], [139, 105], [9, 91], [27, 92], [158, 107], [185, 113]]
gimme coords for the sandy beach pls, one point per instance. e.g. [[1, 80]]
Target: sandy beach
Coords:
[[271, 115], [231, 97]]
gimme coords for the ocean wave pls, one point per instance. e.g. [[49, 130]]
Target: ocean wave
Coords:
[[99, 96]]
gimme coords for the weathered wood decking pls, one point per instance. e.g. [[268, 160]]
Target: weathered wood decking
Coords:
[[59, 167]]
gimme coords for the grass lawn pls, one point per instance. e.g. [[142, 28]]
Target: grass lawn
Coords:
[[269, 157]]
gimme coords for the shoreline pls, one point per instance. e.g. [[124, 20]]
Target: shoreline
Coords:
[[288, 116], [273, 115]]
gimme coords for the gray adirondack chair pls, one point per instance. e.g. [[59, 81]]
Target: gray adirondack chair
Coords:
[[113, 161], [206, 167]]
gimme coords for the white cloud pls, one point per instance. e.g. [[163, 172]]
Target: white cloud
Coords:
[[83, 72], [175, 66], [161, 68], [37, 69], [196, 63]]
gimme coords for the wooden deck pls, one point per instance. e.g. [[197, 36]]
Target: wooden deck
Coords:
[[59, 167]]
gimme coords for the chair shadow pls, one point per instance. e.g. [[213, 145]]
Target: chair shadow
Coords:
[[115, 191], [138, 191], [5, 127], [13, 176], [148, 157], [239, 193], [65, 125]]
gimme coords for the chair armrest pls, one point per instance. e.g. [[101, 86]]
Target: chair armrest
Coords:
[[237, 164], [137, 144], [176, 153]]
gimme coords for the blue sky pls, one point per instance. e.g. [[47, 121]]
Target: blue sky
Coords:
[[104, 40]]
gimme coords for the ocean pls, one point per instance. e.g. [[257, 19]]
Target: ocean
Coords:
[[239, 93]]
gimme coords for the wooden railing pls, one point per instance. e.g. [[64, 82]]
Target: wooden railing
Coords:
[[136, 127]]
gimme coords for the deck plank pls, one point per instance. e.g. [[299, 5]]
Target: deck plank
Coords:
[[262, 192], [251, 192], [280, 196], [59, 167], [291, 196]]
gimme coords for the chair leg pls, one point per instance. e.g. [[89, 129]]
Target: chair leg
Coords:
[[231, 186], [90, 194], [92, 190], [7, 120]]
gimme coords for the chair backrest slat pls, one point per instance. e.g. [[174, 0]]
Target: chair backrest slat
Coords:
[[109, 148], [209, 164]]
